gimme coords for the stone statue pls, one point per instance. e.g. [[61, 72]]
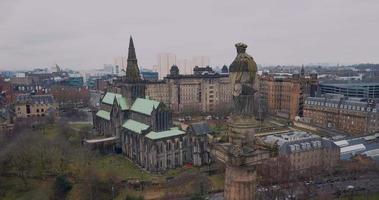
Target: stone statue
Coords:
[[242, 73]]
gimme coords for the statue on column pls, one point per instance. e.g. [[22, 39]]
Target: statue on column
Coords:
[[242, 73]]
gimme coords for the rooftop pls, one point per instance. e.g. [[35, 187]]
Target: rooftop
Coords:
[[164, 134], [35, 99], [135, 126], [110, 97], [144, 106], [359, 145], [104, 114]]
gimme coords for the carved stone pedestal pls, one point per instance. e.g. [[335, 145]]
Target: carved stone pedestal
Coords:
[[240, 128], [240, 183]]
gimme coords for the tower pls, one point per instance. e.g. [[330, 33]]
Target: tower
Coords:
[[132, 71], [131, 86]]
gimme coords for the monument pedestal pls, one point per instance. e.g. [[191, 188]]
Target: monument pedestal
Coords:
[[240, 183], [240, 179], [240, 128]]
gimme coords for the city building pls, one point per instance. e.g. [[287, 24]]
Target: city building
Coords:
[[6, 120], [284, 93], [360, 89], [165, 61], [201, 61], [185, 65], [351, 147], [121, 62], [70, 97], [304, 150], [6, 91], [28, 105], [205, 91], [352, 115], [149, 75]]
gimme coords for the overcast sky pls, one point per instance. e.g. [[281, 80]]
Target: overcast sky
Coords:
[[90, 33]]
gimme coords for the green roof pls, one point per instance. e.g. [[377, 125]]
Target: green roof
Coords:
[[144, 106], [110, 97], [135, 126], [104, 114], [122, 102], [164, 134]]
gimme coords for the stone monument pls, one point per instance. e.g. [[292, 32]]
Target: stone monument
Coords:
[[241, 154]]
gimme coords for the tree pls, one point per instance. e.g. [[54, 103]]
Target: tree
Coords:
[[131, 197], [61, 187]]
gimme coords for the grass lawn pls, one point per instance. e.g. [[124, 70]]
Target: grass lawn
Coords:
[[217, 181], [119, 166], [13, 188], [80, 126], [374, 196]]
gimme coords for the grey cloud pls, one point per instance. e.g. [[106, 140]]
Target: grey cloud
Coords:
[[89, 33]]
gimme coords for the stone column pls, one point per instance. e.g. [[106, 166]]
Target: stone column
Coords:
[[240, 183]]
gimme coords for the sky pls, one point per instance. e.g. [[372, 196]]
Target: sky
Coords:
[[83, 34]]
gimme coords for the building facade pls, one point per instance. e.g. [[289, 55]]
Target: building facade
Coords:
[[305, 151], [352, 115], [144, 133], [142, 127], [284, 94], [28, 105], [359, 89]]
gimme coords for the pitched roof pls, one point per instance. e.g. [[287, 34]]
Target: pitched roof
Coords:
[[144, 106], [110, 97], [135, 126], [104, 114], [200, 128], [164, 134], [35, 99], [122, 102]]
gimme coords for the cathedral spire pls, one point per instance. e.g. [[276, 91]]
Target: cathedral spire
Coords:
[[132, 71], [132, 51]]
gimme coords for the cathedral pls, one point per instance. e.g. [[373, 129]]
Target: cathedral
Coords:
[[141, 128]]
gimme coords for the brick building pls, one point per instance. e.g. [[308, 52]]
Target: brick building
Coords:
[[353, 115], [284, 94], [70, 96]]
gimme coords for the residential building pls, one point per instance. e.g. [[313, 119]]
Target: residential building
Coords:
[[201, 61], [352, 115], [70, 97], [165, 61], [284, 94], [304, 150], [28, 105]]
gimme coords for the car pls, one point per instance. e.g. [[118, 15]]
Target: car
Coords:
[[209, 117], [181, 119]]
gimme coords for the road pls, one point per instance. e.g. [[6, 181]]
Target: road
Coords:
[[363, 185]]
